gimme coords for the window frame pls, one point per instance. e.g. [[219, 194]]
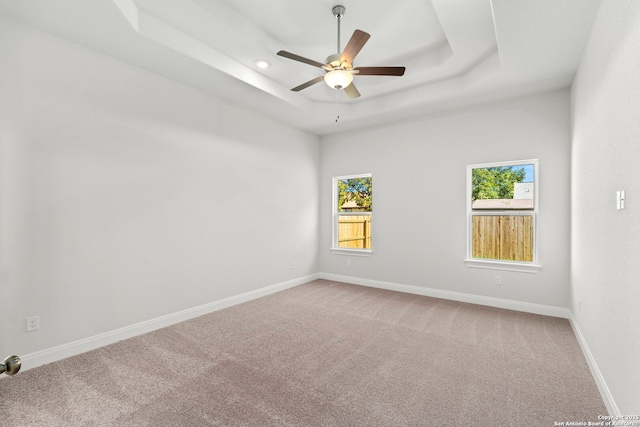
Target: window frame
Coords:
[[497, 264], [335, 216]]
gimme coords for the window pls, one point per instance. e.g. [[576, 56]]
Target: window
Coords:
[[502, 208], [352, 207]]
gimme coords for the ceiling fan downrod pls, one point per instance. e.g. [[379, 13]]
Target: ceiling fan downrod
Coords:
[[338, 12]]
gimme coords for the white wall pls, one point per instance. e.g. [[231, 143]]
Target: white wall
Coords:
[[605, 264], [419, 196], [125, 196]]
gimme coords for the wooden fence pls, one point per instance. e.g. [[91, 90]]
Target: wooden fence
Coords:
[[354, 231], [502, 237]]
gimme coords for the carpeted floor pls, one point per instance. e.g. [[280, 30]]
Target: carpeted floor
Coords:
[[322, 354]]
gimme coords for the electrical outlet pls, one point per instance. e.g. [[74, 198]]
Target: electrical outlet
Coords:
[[33, 323], [293, 265], [348, 262], [498, 280]]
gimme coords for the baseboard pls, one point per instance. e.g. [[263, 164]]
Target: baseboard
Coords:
[[607, 397], [63, 351], [545, 310], [54, 354]]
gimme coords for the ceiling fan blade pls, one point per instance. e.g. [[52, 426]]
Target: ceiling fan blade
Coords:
[[307, 84], [357, 41], [380, 71], [301, 59], [352, 91]]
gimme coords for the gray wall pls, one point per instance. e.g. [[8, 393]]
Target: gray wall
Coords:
[[605, 263], [125, 196], [419, 196]]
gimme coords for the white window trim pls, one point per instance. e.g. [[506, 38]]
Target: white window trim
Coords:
[[493, 264], [335, 249]]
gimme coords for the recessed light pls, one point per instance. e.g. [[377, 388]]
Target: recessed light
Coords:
[[261, 63]]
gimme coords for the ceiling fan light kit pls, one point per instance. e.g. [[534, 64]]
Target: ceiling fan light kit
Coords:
[[339, 67], [338, 79]]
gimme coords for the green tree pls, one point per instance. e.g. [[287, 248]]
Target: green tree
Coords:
[[496, 182], [357, 190]]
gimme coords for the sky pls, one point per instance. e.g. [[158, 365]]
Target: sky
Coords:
[[528, 169]]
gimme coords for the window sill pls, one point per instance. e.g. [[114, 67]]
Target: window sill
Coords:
[[351, 252], [522, 267]]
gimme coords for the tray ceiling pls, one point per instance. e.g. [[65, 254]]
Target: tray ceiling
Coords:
[[456, 52]]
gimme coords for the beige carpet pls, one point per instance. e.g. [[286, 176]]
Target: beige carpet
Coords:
[[322, 354]]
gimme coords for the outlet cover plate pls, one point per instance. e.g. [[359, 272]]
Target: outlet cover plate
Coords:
[[33, 323]]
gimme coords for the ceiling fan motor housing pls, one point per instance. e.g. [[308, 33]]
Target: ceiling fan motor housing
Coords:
[[334, 62]]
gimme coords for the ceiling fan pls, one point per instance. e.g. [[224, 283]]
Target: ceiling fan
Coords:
[[339, 67]]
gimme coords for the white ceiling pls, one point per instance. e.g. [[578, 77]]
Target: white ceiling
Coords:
[[456, 52]]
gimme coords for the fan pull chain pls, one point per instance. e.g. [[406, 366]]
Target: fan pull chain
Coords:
[[337, 112]]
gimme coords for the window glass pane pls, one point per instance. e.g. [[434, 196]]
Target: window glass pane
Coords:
[[503, 187], [503, 237], [354, 231], [354, 195]]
